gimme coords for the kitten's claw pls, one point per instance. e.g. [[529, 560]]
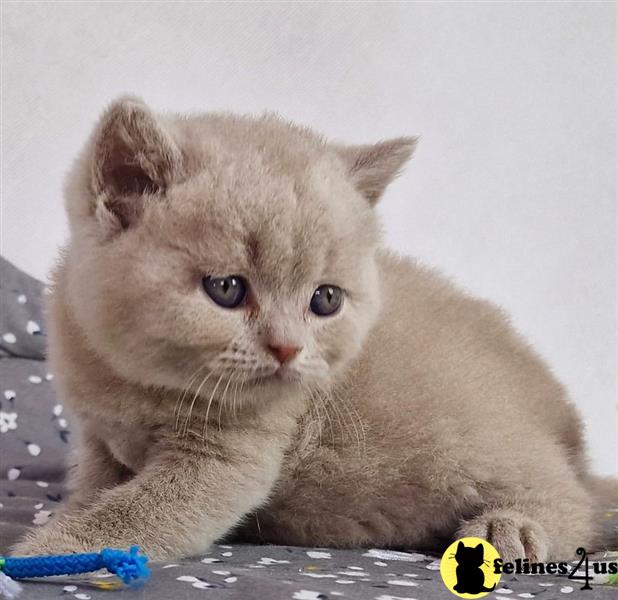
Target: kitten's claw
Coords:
[[512, 534]]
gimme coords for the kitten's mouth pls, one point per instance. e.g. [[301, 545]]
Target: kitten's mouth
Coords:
[[282, 374]]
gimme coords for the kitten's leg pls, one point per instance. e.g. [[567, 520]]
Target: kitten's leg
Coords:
[[552, 524], [187, 497], [96, 470]]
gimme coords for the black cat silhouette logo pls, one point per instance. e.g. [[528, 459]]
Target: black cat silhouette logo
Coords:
[[466, 568]]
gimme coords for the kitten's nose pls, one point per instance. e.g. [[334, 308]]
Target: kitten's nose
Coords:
[[283, 354]]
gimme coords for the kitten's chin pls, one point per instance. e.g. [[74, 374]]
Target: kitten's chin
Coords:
[[286, 378]]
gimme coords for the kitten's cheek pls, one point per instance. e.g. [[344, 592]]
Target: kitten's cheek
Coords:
[[335, 355], [343, 340]]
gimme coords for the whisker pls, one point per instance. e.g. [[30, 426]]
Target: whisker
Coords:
[[221, 402], [317, 397], [182, 395], [236, 384], [341, 418], [195, 396], [242, 386], [313, 408], [341, 403], [348, 404], [327, 412], [214, 391]]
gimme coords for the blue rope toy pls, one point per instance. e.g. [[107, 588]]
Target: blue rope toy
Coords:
[[129, 566]]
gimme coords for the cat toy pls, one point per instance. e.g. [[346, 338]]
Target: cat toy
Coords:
[[129, 566]]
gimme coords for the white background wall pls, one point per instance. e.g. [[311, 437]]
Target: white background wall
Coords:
[[512, 192]]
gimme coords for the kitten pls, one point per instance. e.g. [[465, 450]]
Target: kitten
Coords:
[[244, 359]]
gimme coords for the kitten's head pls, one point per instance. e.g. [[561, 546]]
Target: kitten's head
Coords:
[[217, 249]]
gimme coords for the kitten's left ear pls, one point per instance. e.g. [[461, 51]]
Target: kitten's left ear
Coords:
[[373, 167]]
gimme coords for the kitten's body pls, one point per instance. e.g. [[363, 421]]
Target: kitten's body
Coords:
[[445, 412], [408, 418]]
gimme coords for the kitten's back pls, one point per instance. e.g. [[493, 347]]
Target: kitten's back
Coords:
[[437, 342]]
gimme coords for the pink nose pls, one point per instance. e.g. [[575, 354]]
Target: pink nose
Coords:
[[283, 354]]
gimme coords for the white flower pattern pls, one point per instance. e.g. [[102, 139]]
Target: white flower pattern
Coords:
[[8, 421], [41, 517]]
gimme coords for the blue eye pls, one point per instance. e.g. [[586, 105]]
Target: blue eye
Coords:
[[228, 292], [326, 300]]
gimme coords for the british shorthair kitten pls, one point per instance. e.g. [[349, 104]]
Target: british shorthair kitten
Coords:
[[245, 359]]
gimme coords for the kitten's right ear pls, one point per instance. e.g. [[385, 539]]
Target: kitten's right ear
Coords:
[[133, 158]]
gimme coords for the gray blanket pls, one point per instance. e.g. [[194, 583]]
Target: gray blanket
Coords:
[[35, 437]]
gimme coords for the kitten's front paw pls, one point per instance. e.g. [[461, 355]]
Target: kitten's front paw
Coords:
[[512, 534]]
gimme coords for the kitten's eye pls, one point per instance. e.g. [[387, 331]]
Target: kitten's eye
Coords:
[[227, 292], [326, 300]]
